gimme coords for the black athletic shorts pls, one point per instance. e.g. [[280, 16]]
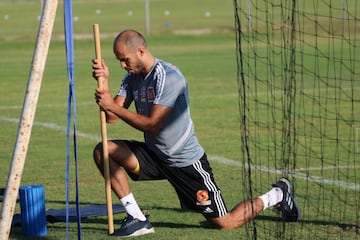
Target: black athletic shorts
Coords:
[[194, 185]]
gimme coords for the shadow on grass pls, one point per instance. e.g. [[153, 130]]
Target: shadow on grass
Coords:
[[99, 220], [203, 224], [73, 202], [344, 226]]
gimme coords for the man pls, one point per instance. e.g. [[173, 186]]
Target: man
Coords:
[[170, 149]]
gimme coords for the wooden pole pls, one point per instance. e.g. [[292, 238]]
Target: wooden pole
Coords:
[[27, 116], [104, 139]]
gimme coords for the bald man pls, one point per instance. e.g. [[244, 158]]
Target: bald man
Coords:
[[170, 149]]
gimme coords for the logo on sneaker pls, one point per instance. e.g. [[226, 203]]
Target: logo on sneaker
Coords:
[[289, 202]]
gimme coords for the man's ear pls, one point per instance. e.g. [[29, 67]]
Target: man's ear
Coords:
[[141, 51]]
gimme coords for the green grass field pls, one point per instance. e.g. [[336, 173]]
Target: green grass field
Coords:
[[202, 45]]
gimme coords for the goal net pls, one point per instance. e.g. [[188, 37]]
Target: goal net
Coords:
[[299, 105]]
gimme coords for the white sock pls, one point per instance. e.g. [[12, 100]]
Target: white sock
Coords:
[[271, 198], [132, 208]]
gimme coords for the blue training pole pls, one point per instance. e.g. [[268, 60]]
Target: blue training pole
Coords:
[[71, 99]]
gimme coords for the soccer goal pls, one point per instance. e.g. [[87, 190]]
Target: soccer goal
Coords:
[[299, 105]]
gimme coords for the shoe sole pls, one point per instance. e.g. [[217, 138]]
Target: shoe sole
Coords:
[[140, 232]]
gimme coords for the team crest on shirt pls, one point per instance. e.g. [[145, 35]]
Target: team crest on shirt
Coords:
[[143, 94], [151, 94], [202, 197]]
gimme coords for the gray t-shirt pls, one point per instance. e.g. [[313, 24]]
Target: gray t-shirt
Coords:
[[176, 143]]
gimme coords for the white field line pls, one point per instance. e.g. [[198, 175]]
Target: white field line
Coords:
[[55, 127], [227, 95], [315, 179], [15, 107]]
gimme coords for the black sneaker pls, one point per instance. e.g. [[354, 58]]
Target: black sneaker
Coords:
[[288, 206], [131, 227]]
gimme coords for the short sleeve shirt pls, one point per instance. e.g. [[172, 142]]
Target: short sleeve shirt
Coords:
[[176, 143]]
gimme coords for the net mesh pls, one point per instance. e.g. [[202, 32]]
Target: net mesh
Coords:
[[299, 105]]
